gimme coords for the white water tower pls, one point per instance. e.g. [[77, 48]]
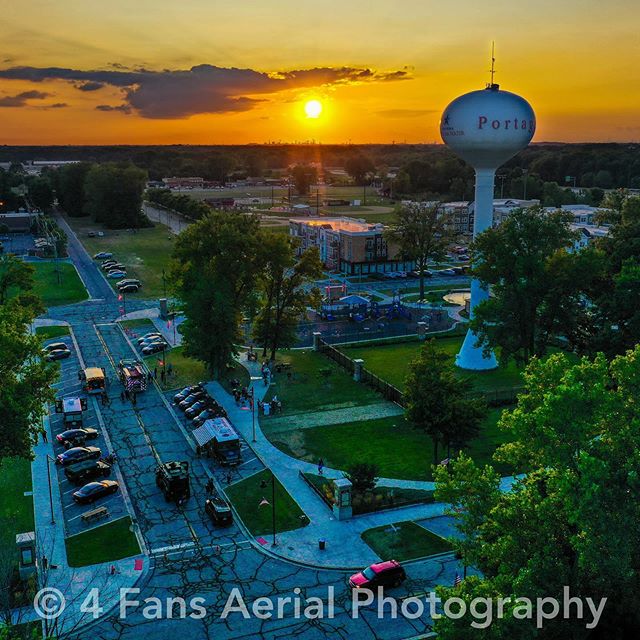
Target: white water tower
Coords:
[[485, 128]]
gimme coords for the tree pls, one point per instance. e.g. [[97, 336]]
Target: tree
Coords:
[[526, 264], [113, 195], [70, 187], [15, 276], [439, 402], [215, 264], [41, 193], [303, 176], [284, 289], [363, 476], [422, 233], [359, 167], [26, 380], [575, 431]]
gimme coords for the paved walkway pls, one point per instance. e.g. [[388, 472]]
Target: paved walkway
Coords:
[[334, 416]]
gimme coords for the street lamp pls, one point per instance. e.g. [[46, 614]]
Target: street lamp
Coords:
[[253, 412], [263, 485]]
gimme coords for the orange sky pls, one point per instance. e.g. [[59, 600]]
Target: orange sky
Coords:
[[576, 61]]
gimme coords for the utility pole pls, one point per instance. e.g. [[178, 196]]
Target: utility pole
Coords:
[[263, 485], [253, 412], [53, 520]]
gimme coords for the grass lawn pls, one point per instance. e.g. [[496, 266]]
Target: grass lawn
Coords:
[[404, 541], [316, 383], [52, 331], [399, 450], [111, 541], [145, 252], [70, 289], [16, 509], [246, 496], [139, 323], [391, 363], [188, 371], [283, 229]]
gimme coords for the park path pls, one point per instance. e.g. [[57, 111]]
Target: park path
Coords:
[[334, 416]]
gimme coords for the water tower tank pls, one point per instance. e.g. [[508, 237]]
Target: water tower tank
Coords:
[[485, 128]]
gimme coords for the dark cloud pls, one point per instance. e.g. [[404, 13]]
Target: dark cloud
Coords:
[[202, 89], [124, 108], [55, 105], [89, 86], [405, 113], [20, 100]]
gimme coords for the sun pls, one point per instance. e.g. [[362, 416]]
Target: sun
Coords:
[[313, 108]]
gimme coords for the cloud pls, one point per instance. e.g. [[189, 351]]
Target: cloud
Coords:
[[20, 100], [405, 113], [125, 108], [89, 86], [204, 88]]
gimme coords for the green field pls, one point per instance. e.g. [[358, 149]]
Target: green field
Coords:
[[68, 291], [145, 252], [391, 363], [52, 331], [404, 541], [246, 496], [16, 509], [399, 450], [139, 325], [316, 383], [111, 541]]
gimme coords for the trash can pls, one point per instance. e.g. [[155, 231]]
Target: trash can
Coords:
[[322, 544]]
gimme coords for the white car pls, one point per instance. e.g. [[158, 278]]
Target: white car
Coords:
[[103, 255], [116, 274]]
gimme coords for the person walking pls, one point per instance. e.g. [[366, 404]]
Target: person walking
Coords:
[[45, 439], [320, 466]]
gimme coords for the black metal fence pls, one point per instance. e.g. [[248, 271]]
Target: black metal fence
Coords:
[[388, 391], [337, 356]]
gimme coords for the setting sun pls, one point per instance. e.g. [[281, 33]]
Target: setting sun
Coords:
[[313, 108]]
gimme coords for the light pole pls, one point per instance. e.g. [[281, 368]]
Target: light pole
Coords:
[[253, 412], [263, 485], [53, 520]]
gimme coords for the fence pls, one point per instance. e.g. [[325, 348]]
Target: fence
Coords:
[[494, 398]]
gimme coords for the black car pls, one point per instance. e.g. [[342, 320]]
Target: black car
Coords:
[[154, 347], [87, 470], [78, 454], [94, 490], [219, 511], [128, 288], [192, 399], [76, 437], [187, 391], [57, 354], [197, 407], [210, 412], [55, 346]]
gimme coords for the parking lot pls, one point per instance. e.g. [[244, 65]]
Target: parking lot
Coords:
[[70, 386]]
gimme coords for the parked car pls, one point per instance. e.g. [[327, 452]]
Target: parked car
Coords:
[[197, 408], [55, 346], [128, 288], [87, 470], [103, 255], [192, 399], [127, 281], [447, 272], [219, 511], [212, 411], [57, 354], [187, 391], [95, 490], [115, 267], [116, 274], [150, 340], [76, 437], [154, 347], [381, 574], [78, 454], [146, 337], [108, 263]]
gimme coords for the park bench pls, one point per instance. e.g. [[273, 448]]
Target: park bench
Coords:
[[95, 514]]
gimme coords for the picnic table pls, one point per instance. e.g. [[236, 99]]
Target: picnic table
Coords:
[[95, 514]]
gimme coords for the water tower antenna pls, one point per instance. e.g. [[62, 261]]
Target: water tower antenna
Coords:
[[492, 71]]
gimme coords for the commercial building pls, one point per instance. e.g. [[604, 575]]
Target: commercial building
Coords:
[[353, 247], [18, 221]]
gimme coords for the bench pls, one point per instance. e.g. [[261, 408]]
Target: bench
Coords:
[[95, 514]]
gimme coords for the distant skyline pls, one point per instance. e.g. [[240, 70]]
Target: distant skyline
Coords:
[[202, 72]]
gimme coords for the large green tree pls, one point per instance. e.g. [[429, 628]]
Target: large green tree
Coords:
[[422, 233], [536, 279], [215, 264], [303, 176], [360, 168], [69, 182], [570, 520], [285, 291], [16, 277], [113, 195], [439, 402]]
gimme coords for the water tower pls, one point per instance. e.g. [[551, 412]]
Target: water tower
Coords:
[[485, 128]]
